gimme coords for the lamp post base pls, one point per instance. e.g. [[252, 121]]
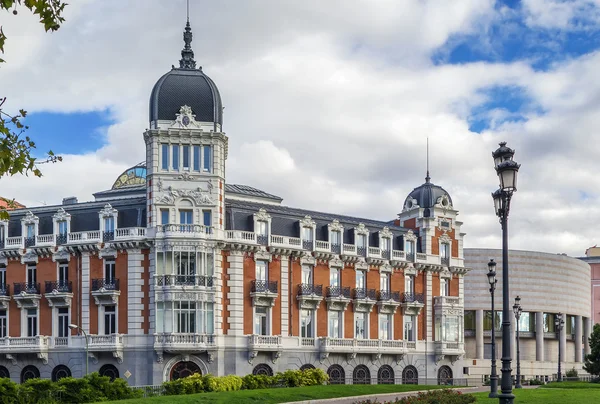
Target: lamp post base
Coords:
[[506, 398], [493, 387]]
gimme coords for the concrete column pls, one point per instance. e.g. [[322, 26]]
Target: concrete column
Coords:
[[285, 294], [479, 346], [577, 338], [236, 292], [563, 342], [587, 330], [539, 336]]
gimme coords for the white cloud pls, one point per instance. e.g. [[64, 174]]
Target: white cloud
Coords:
[[328, 104]]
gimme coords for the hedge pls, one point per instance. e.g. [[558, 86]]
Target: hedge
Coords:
[[445, 396], [89, 389]]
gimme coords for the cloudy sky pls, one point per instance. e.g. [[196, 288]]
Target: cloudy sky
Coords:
[[329, 103]]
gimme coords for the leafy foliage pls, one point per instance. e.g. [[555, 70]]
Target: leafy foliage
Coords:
[[592, 360], [571, 373], [445, 396]]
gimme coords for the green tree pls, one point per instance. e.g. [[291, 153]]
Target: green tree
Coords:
[[15, 148], [592, 360]]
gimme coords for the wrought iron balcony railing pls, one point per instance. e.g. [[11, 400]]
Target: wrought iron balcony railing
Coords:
[[338, 291], [262, 286], [308, 245], [4, 289], [363, 293], [305, 289], [446, 261], [184, 280], [410, 256], [108, 236], [412, 298], [361, 251], [29, 241], [26, 287], [336, 248], [59, 286], [388, 295], [105, 283], [385, 254], [262, 239], [61, 238]]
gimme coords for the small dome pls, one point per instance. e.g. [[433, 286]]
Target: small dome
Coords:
[[132, 177], [186, 85], [427, 196]]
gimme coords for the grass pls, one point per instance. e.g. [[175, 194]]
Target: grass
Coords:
[[552, 393], [281, 395]]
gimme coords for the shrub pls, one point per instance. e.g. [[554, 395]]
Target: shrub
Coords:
[[39, 390], [431, 397], [9, 391], [253, 382], [571, 373], [223, 383], [77, 390], [536, 382]]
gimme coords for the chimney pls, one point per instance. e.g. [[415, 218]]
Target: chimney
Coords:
[[70, 200]]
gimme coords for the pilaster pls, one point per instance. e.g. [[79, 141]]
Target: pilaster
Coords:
[[236, 292], [479, 345], [218, 284], [85, 291], [429, 308], [285, 295], [135, 292], [539, 336]]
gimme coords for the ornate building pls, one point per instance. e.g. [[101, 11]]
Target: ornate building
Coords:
[[174, 271]]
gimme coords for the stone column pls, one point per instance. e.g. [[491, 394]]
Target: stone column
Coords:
[[236, 292], [539, 336], [85, 291], [429, 307], [285, 294], [577, 338], [587, 330], [563, 343], [135, 292], [479, 345]]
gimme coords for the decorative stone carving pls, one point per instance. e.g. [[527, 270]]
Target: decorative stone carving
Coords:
[[186, 119], [385, 268], [444, 238], [61, 255], [307, 259], [276, 355], [361, 229], [262, 215], [361, 265], [12, 359], [185, 177], [107, 211], [263, 255], [108, 251], [411, 203], [336, 262], [30, 218], [385, 232], [198, 195], [251, 355], [335, 225], [324, 355], [30, 257], [410, 236], [307, 222]]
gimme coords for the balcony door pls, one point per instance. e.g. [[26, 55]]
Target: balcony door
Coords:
[[409, 331], [261, 321], [410, 285], [110, 320], [384, 282], [360, 325], [186, 219], [335, 324], [63, 274], [2, 278], [307, 324], [262, 271], [63, 322], [307, 274], [360, 279], [109, 272], [31, 275], [32, 322]]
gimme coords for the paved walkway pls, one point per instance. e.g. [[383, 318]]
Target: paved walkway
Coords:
[[390, 396]]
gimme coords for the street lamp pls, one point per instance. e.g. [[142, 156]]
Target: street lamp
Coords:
[[76, 327], [517, 309], [491, 275], [507, 170], [559, 323]]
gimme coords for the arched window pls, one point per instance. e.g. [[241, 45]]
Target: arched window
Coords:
[[385, 375], [410, 375], [109, 371], [445, 375], [29, 372], [4, 373], [306, 366], [361, 375], [336, 374], [184, 369], [263, 369], [60, 372]]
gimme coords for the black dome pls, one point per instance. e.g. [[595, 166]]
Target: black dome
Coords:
[[427, 195], [189, 87]]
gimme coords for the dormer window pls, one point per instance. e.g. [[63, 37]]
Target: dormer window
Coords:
[[61, 237], [307, 238], [361, 245], [109, 228], [262, 235], [336, 241], [410, 250], [29, 235]]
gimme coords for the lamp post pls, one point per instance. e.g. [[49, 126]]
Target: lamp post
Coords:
[[559, 323], [76, 327], [491, 275], [517, 309], [507, 170]]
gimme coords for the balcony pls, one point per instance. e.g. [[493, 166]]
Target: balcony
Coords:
[[450, 302], [388, 302], [352, 347], [308, 245], [59, 293], [105, 290], [183, 281], [184, 231], [84, 237], [264, 343], [4, 295], [284, 244], [323, 249], [183, 342], [310, 296], [263, 293], [27, 295], [364, 299], [13, 243], [107, 343], [412, 303], [454, 350], [12, 346], [337, 297]]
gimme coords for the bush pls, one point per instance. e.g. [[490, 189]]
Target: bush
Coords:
[[536, 382], [224, 383], [431, 397], [9, 391], [571, 373], [253, 382]]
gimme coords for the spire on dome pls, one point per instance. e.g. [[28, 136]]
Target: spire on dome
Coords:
[[427, 178], [187, 54]]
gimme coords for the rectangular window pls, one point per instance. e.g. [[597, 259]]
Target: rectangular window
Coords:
[[32, 330], [386, 244], [385, 326], [186, 157], [207, 218], [335, 238], [62, 227], [110, 320], [549, 322], [261, 270], [307, 324], [409, 285], [260, 320], [30, 230], [410, 247], [361, 240], [487, 320], [210, 319], [307, 234], [31, 274], [444, 287], [525, 322], [334, 277], [109, 224], [196, 158], [175, 149], [185, 263], [335, 329], [262, 228], [469, 319], [450, 329], [185, 317], [360, 325], [109, 271], [307, 272], [207, 157], [63, 274], [445, 252], [186, 217], [2, 278], [2, 235], [63, 322], [3, 324], [165, 156], [164, 216], [384, 282], [409, 331], [360, 279]]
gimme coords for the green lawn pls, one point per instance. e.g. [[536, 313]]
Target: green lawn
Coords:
[[282, 395], [553, 393]]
